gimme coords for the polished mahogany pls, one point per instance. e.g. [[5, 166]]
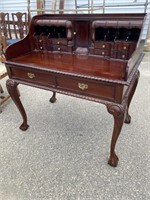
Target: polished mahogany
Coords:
[[90, 56]]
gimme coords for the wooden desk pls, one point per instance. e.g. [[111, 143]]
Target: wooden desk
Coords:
[[61, 65]]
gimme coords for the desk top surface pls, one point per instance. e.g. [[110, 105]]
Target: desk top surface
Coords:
[[90, 66]]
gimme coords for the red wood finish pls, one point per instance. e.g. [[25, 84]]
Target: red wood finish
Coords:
[[81, 34], [76, 55], [92, 66]]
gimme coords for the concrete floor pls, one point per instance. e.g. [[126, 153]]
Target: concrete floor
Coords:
[[63, 155]]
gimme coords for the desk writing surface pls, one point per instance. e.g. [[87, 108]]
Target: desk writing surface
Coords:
[[92, 66]]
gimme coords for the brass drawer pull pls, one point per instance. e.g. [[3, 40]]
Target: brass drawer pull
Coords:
[[123, 56], [103, 46], [30, 75], [58, 42], [82, 86], [124, 47], [59, 49]]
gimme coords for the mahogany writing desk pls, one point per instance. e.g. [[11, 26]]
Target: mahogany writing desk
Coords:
[[90, 56]]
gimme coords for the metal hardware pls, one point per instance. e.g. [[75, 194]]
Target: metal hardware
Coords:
[[74, 33], [58, 42], [58, 49], [124, 47], [40, 40], [123, 56], [41, 47], [82, 86], [103, 53], [103, 46], [31, 75]]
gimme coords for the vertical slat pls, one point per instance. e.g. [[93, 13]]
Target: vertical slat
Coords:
[[29, 13], [40, 6], [61, 6], [54, 6]]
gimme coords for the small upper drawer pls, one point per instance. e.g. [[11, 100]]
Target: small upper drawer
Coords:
[[102, 52], [33, 76], [119, 54], [60, 48], [102, 45], [122, 55], [125, 46], [59, 41]]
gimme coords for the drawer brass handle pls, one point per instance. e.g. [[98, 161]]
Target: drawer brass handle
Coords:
[[123, 56], [82, 86], [30, 75], [103, 46], [124, 47], [58, 49], [58, 42]]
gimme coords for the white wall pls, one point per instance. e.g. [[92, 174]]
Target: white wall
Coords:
[[21, 5]]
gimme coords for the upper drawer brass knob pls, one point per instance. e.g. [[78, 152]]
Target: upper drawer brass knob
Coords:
[[41, 47], [31, 75], [82, 86], [123, 56], [74, 33], [58, 49], [103, 46], [40, 40], [103, 53], [58, 42], [124, 47]]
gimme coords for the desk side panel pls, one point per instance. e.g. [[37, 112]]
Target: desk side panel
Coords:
[[18, 49]]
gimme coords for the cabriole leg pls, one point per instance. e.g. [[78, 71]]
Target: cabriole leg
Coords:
[[13, 91], [128, 117], [53, 98], [118, 114]]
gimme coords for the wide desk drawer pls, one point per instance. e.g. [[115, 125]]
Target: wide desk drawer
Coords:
[[86, 87], [34, 76]]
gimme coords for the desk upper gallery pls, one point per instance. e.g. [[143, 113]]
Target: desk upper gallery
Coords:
[[90, 56]]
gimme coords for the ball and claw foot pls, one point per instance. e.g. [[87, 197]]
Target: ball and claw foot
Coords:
[[24, 127], [113, 160], [128, 119], [53, 99]]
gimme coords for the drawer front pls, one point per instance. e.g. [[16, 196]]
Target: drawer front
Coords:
[[42, 46], [102, 45], [41, 39], [46, 39], [124, 46], [49, 47], [33, 76], [120, 55], [121, 46], [95, 89], [102, 52], [59, 41], [60, 48]]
